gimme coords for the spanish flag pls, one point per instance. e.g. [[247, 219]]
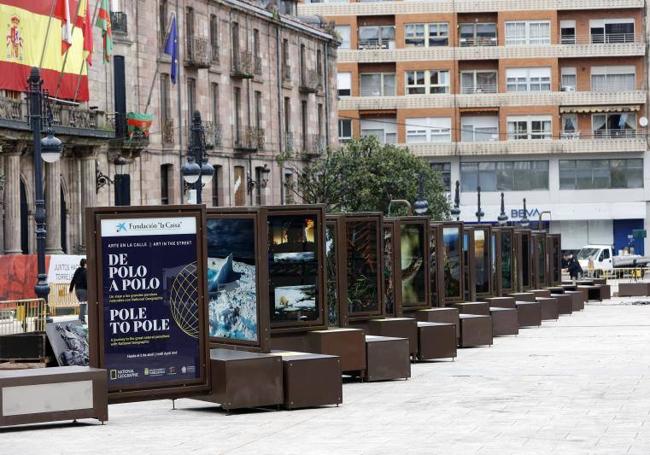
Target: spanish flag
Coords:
[[26, 23]]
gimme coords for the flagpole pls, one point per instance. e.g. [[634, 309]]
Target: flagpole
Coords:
[[84, 62], [67, 51], [47, 34], [155, 75], [180, 113]]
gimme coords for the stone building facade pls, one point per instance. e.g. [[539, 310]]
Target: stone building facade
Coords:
[[264, 82]]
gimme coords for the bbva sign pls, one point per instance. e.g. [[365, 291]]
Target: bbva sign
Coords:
[[519, 213]]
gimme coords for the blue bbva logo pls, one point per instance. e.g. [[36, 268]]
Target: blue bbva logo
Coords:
[[519, 213], [121, 227]]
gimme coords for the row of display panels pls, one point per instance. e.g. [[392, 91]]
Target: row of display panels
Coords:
[[270, 270]]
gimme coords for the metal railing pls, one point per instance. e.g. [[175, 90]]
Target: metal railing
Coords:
[[248, 139], [616, 134], [478, 41], [119, 22], [288, 142], [600, 38], [311, 81], [242, 65], [214, 52], [376, 43], [213, 134], [198, 53], [316, 145], [258, 66], [479, 88], [168, 135], [286, 73], [22, 316], [60, 299]]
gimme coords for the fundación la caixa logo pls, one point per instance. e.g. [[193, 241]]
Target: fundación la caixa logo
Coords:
[[148, 226], [121, 227]]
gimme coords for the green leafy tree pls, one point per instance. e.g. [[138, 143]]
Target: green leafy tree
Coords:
[[365, 175]]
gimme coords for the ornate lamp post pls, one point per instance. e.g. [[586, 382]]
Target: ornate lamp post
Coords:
[[421, 205], [49, 150], [194, 173], [502, 218], [479, 213], [455, 211], [524, 220]]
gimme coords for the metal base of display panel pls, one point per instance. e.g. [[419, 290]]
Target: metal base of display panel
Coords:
[[396, 327], [475, 330], [436, 340], [387, 358], [502, 302], [347, 343], [541, 292], [529, 313], [243, 379], [311, 380], [595, 292], [444, 314], [24, 347], [549, 308], [523, 296], [479, 308], [578, 302], [505, 321], [52, 394], [634, 289], [564, 303]]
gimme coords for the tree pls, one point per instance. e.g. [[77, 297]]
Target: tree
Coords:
[[365, 175]]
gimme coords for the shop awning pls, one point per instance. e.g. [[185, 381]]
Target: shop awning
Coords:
[[597, 109]]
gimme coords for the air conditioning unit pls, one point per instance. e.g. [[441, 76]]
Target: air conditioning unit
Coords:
[[568, 88]]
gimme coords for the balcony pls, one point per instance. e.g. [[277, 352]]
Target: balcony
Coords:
[[316, 145], [119, 23], [258, 66], [381, 8], [376, 43], [248, 139], [311, 82], [213, 135], [168, 136], [478, 89], [242, 66], [67, 119], [491, 99], [214, 54], [288, 142], [198, 54], [478, 41], [567, 145], [286, 73]]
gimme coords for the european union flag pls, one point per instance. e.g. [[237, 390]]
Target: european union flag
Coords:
[[171, 48]]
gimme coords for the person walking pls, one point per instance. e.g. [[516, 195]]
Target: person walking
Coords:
[[574, 268], [79, 284]]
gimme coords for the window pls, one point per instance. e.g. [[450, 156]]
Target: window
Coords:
[[165, 111], [569, 79], [529, 127], [528, 79], [480, 128], [567, 32], [377, 84], [426, 35], [343, 32], [613, 78], [304, 123], [214, 37], [345, 130], [432, 129], [320, 119], [614, 125], [216, 189], [258, 109], [533, 33], [611, 31], [303, 58], [189, 29], [259, 190], [165, 190], [377, 37], [237, 115], [504, 176], [444, 169], [287, 115], [478, 81], [601, 174], [239, 186], [570, 126], [319, 63], [384, 129], [214, 95], [162, 19], [256, 51], [191, 98], [427, 82], [235, 41], [344, 84], [286, 69], [482, 34], [288, 187]]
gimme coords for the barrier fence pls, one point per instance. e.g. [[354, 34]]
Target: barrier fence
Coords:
[[22, 316], [60, 299], [624, 273]]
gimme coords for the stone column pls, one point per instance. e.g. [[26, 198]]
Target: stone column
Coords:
[[53, 208], [88, 188], [12, 203]]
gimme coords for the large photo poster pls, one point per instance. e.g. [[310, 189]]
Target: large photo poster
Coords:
[[150, 293]]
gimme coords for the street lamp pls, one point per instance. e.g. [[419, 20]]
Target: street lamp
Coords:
[[502, 218], [479, 213], [524, 220], [194, 173], [455, 211], [421, 205], [49, 150]]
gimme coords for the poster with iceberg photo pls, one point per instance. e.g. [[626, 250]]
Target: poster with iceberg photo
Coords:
[[232, 287]]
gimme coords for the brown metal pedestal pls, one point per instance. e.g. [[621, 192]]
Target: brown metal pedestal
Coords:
[[243, 379], [638, 289], [564, 303], [480, 308], [448, 315], [501, 302], [436, 340], [349, 344], [541, 292], [529, 313], [549, 308], [387, 358], [396, 327], [505, 321], [578, 302], [523, 296], [311, 380], [475, 330]]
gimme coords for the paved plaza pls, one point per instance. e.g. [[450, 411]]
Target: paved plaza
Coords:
[[577, 385]]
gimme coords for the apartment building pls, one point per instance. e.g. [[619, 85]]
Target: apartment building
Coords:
[[263, 80], [539, 99]]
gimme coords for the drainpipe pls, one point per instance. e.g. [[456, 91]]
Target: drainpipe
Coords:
[[326, 47], [281, 127]]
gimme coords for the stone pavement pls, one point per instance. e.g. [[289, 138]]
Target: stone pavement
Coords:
[[580, 385]]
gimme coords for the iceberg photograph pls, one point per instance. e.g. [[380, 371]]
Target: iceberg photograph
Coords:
[[295, 302]]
